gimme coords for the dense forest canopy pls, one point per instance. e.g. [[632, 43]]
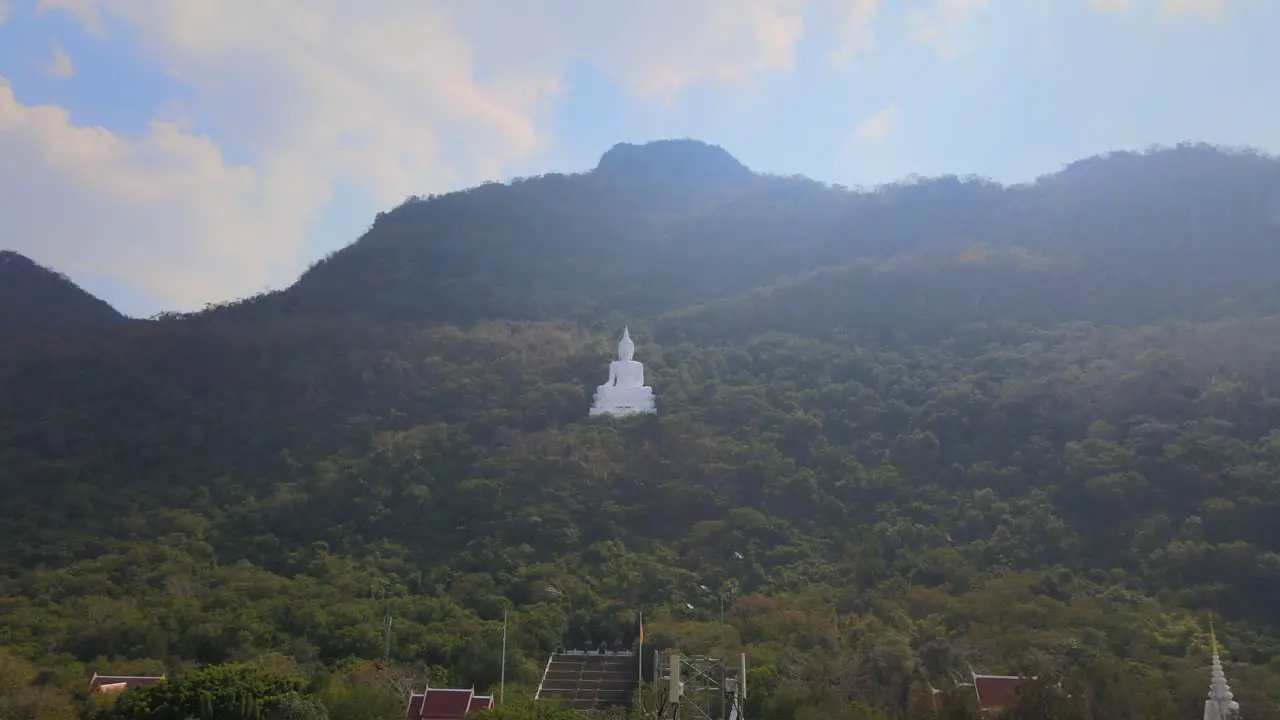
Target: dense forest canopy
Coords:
[[908, 433]]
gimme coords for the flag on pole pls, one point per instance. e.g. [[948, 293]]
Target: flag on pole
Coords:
[[640, 653]]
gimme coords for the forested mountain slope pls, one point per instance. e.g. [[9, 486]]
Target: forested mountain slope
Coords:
[[37, 300], [904, 433], [1188, 231]]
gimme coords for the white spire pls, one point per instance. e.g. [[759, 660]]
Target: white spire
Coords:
[[1221, 704]]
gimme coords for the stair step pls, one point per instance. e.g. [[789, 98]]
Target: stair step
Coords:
[[587, 682]]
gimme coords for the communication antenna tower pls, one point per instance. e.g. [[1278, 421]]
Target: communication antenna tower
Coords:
[[698, 687]]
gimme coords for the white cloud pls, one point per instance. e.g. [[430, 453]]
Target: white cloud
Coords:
[[662, 46], [879, 126], [1207, 8], [853, 29], [1168, 8], [395, 97], [936, 26], [60, 65], [163, 209], [4, 10]]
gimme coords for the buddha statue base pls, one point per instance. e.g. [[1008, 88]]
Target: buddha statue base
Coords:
[[621, 402]]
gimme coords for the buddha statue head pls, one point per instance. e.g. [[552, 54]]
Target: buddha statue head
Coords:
[[626, 348]]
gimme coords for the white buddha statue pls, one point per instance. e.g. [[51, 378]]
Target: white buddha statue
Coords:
[[624, 393]]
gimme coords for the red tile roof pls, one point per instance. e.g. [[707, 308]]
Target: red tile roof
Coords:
[[116, 683], [938, 695], [995, 691], [445, 704]]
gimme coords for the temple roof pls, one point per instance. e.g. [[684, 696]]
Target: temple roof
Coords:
[[996, 691], [116, 683], [993, 692]]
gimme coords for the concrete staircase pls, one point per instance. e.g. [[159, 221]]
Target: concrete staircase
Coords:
[[589, 680]]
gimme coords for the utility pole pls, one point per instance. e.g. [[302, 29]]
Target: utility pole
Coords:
[[502, 682], [381, 590], [386, 637], [723, 650], [720, 599]]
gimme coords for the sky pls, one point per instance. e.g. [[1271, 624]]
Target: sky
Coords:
[[166, 154]]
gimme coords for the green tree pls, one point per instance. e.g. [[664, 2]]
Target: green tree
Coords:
[[235, 692]]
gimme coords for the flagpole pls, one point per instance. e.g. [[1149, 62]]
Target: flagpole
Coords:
[[502, 682]]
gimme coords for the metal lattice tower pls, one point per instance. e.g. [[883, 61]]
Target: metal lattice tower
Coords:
[[698, 687]]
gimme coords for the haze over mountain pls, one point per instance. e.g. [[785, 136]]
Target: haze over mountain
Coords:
[[905, 434], [171, 153], [656, 229]]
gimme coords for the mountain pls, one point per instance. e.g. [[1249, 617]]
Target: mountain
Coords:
[[37, 300], [674, 161], [1118, 239], [904, 434]]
